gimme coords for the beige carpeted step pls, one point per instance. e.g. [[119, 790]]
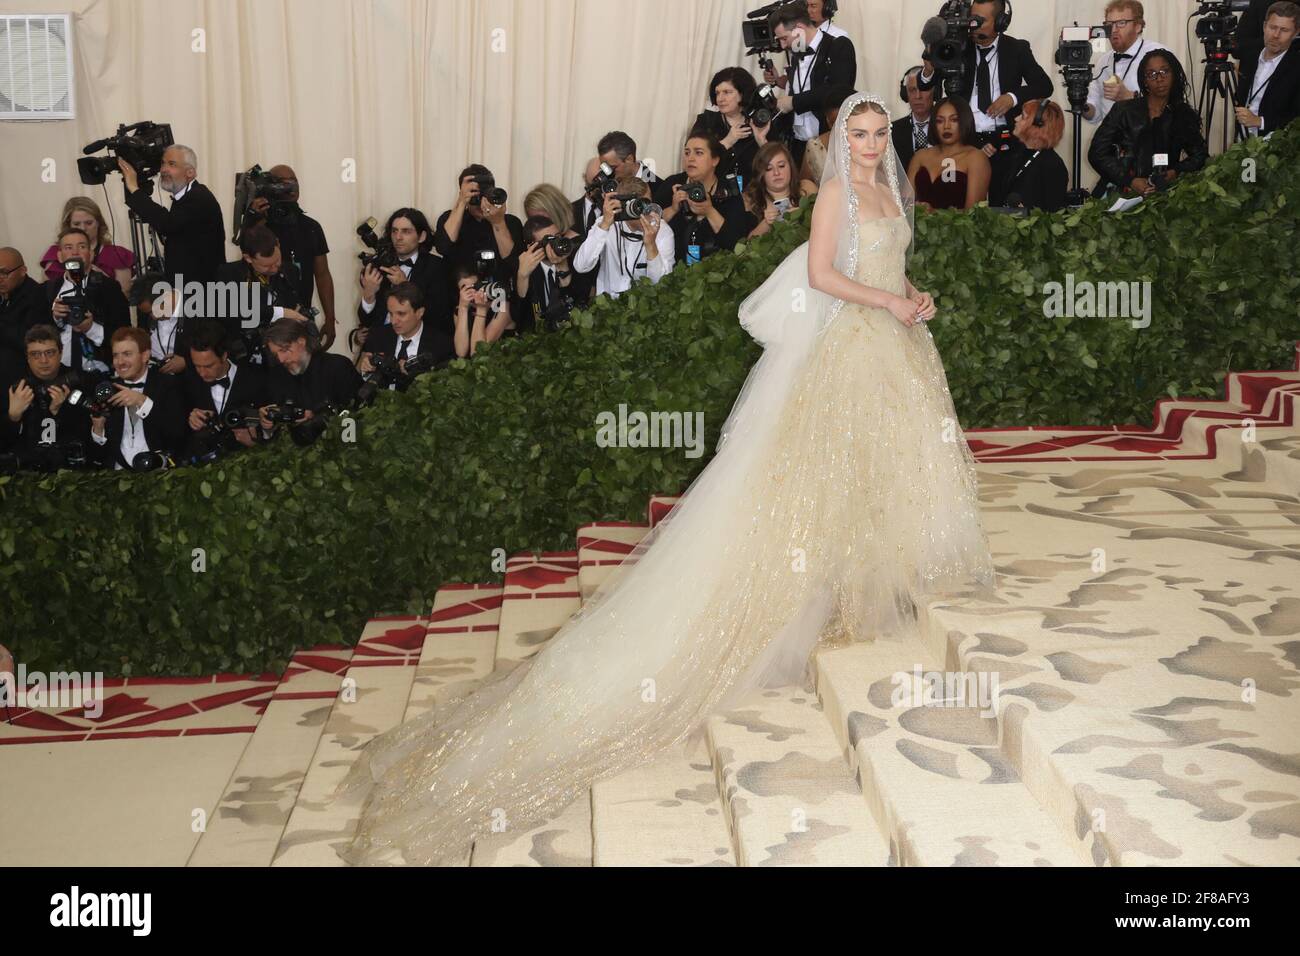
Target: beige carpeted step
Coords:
[[601, 548], [667, 813], [247, 824], [789, 796], [934, 777], [540, 594], [564, 841]]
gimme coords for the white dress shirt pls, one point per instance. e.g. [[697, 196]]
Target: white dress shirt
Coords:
[[368, 307], [806, 125], [95, 333], [162, 341], [983, 122], [831, 30], [622, 258], [186, 188], [1126, 70], [1263, 74], [220, 393]]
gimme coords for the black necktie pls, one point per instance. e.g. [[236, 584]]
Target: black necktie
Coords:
[[404, 350], [591, 217], [984, 80]]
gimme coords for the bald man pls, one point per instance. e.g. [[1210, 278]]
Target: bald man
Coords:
[[585, 212], [302, 244], [193, 232], [22, 303]]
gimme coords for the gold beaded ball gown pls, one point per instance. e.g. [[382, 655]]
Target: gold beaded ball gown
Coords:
[[842, 494]]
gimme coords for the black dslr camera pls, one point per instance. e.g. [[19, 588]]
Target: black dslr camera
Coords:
[[485, 270], [728, 188], [634, 207], [382, 254], [762, 109], [75, 298], [604, 183], [142, 145], [487, 187], [562, 246]]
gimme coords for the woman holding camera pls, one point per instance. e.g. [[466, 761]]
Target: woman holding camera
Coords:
[[705, 208], [1158, 123], [82, 212], [730, 91], [774, 189]]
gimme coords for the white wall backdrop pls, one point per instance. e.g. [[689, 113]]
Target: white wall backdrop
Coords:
[[413, 90]]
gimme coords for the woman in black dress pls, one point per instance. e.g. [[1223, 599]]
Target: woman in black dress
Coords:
[[732, 91]]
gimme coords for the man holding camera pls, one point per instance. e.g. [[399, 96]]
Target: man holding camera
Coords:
[[1117, 77], [215, 384], [408, 233], [818, 59], [158, 309], [623, 247], [1269, 93], [477, 222], [38, 410], [193, 231], [586, 209], [304, 376], [87, 306], [22, 304], [405, 337], [547, 286], [147, 412], [1005, 72], [302, 243], [261, 269]]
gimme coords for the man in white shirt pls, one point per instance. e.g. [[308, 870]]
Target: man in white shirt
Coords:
[[626, 251], [104, 310], [820, 12], [1124, 20], [1270, 87], [147, 413]]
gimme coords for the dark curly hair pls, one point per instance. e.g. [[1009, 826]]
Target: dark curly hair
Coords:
[[1178, 91]]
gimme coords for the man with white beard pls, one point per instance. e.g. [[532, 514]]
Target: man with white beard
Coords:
[[193, 232]]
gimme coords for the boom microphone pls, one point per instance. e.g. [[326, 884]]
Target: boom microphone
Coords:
[[935, 29]]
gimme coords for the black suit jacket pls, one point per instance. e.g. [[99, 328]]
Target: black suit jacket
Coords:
[[107, 305], [71, 424], [193, 231], [1250, 32], [25, 307], [248, 390], [433, 277], [328, 379], [1281, 102], [835, 64], [1018, 74], [901, 131], [279, 290], [165, 428], [580, 218]]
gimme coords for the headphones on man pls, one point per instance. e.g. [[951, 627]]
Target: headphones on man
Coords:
[[1041, 116], [902, 84], [829, 8], [1002, 22]]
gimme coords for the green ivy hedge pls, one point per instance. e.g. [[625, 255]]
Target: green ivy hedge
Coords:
[[498, 455]]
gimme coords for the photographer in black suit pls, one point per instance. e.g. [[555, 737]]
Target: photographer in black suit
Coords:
[[1002, 76], [22, 303], [148, 412], [157, 308], [87, 307], [38, 411], [408, 230], [406, 336], [817, 60], [911, 133], [272, 294], [547, 286], [303, 375], [476, 223], [1268, 97], [214, 384], [193, 231]]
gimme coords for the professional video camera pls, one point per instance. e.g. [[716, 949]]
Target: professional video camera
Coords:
[[1217, 23], [1074, 57], [142, 145], [487, 187], [1216, 28], [634, 207], [946, 37], [759, 39], [383, 256], [762, 108], [46, 458], [258, 184]]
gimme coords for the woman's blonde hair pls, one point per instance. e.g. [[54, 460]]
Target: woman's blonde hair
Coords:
[[550, 200], [86, 204]]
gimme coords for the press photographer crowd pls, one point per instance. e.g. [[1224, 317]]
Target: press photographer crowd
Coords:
[[165, 354]]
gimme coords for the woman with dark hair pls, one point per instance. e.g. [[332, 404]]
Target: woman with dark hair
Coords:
[[774, 189], [718, 220], [1158, 123], [1033, 174], [953, 172], [731, 90]]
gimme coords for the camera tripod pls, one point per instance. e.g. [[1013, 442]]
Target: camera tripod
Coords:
[[1219, 80], [143, 238]]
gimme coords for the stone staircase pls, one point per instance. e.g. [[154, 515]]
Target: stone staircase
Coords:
[[1145, 651]]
